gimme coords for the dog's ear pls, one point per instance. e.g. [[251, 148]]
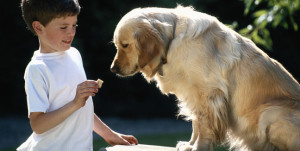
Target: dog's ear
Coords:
[[165, 30], [149, 42]]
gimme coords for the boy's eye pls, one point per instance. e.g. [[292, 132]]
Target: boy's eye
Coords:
[[64, 27]]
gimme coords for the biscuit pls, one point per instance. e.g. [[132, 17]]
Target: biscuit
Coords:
[[99, 82]]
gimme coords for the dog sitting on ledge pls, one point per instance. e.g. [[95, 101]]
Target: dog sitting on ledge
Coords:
[[230, 89]]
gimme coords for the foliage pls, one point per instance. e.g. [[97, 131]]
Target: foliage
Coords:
[[266, 14]]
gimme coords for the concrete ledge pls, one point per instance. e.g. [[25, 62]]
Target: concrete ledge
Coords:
[[139, 147]]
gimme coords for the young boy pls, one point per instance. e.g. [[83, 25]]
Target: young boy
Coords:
[[60, 106]]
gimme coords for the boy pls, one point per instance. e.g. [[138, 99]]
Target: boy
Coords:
[[59, 100]]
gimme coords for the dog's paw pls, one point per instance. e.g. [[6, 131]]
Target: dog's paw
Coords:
[[184, 146]]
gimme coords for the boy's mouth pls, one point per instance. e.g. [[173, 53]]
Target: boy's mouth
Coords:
[[67, 41]]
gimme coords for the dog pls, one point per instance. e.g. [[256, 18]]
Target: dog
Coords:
[[230, 89]]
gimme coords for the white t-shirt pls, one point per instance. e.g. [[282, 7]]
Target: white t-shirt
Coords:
[[51, 80]]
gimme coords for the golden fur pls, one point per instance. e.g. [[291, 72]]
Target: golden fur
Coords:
[[230, 89]]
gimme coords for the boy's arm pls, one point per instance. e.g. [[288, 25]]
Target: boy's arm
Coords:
[[110, 136], [41, 122]]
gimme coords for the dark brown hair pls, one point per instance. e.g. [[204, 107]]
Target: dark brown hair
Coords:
[[46, 10]]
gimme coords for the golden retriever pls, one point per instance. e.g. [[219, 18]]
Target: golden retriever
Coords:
[[229, 88]]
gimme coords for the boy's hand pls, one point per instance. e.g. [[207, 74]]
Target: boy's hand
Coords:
[[121, 139], [84, 91], [131, 139]]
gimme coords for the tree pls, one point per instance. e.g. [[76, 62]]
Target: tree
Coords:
[[269, 14]]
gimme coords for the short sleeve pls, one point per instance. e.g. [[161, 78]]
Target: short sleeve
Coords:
[[36, 89]]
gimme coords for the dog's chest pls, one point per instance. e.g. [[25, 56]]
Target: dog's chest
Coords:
[[179, 77], [173, 82]]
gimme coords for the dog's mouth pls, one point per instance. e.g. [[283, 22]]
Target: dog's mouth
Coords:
[[117, 70]]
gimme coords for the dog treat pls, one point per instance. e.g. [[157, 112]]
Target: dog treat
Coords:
[[100, 82]]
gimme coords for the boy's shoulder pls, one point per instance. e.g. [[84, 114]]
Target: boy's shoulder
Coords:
[[34, 66], [75, 50], [35, 61]]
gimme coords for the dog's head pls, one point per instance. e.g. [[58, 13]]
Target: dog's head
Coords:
[[141, 42]]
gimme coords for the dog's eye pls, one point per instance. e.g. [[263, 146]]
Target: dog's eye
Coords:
[[124, 45]]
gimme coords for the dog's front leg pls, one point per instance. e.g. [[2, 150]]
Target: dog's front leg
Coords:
[[195, 132], [199, 141], [205, 138], [187, 146]]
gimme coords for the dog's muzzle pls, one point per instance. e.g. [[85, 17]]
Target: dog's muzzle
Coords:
[[115, 69]]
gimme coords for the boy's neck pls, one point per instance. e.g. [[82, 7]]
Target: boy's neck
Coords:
[[43, 49], [48, 50]]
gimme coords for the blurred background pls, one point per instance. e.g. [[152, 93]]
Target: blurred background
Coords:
[[271, 24]]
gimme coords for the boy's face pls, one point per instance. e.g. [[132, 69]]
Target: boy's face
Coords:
[[58, 34]]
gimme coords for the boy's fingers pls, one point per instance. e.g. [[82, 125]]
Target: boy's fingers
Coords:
[[88, 84], [87, 94], [130, 139], [125, 142], [134, 141], [87, 88]]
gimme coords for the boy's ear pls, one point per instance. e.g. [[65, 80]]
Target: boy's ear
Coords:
[[37, 26]]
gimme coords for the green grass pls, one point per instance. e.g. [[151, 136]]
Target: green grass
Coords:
[[9, 149], [156, 139]]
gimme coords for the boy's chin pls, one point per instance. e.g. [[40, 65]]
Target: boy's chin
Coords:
[[65, 48]]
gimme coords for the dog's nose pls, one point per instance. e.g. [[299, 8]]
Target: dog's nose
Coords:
[[115, 69]]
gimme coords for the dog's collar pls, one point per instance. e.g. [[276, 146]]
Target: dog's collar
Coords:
[[163, 59]]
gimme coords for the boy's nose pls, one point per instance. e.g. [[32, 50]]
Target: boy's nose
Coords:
[[72, 31]]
